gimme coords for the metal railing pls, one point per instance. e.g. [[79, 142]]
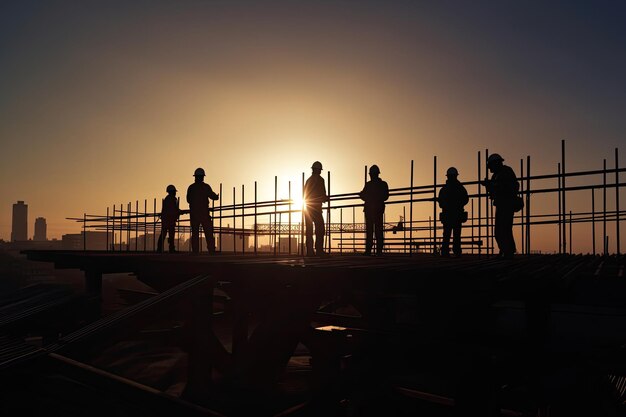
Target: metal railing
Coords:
[[274, 221]]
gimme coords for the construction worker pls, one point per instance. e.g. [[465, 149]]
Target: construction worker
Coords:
[[452, 198], [374, 194], [502, 189], [169, 216], [314, 196], [198, 195]]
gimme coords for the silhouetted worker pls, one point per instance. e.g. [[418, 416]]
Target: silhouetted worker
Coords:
[[198, 195], [502, 189], [452, 198], [375, 193], [169, 216], [314, 196]]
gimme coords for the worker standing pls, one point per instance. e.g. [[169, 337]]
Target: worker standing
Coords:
[[169, 217], [502, 188], [198, 195], [374, 194], [452, 200], [314, 196]]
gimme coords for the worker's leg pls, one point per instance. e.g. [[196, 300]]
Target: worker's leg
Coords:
[[445, 246], [207, 225], [369, 234], [195, 234], [456, 243], [504, 231], [171, 231], [161, 238], [320, 232]]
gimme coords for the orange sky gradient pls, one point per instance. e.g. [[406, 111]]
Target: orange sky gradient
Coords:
[[107, 104]]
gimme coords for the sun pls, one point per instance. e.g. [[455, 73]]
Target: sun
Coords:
[[297, 203]]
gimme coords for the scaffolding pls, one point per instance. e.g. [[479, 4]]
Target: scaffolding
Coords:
[[126, 225]]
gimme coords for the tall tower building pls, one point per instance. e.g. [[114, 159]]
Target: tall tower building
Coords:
[[20, 222], [40, 229]]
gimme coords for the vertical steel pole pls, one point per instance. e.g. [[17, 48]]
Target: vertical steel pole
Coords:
[[221, 215], [563, 194], [472, 225], [410, 215], [234, 221], [136, 225], [128, 223], [302, 222], [154, 225], [604, 236], [330, 243], [561, 225], [255, 219], [435, 248], [364, 183], [113, 231], [280, 225], [521, 215], [275, 211], [593, 220], [145, 225], [528, 204], [176, 230], [488, 232], [353, 229], [122, 226], [243, 219], [480, 200], [289, 236], [617, 232], [84, 231], [107, 229]]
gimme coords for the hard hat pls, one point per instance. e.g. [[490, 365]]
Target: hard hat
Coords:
[[199, 172], [317, 165], [374, 169], [452, 172], [170, 188], [494, 157]]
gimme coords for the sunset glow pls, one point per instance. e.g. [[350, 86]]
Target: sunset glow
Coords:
[[109, 104]]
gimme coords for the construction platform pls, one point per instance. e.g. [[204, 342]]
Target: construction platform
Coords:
[[356, 335]]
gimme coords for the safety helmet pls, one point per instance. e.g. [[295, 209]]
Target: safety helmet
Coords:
[[374, 169], [494, 157], [452, 172], [199, 172], [170, 188], [317, 165]]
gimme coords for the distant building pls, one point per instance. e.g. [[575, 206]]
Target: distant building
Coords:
[[149, 240], [19, 231], [232, 241], [40, 230], [93, 241], [283, 245], [266, 248]]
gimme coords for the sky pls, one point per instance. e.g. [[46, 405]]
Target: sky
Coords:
[[107, 102]]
